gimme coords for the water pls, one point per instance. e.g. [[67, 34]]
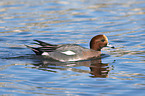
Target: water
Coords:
[[120, 71]]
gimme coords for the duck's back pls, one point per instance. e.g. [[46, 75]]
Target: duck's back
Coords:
[[72, 52]]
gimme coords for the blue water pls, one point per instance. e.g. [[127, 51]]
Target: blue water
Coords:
[[119, 72]]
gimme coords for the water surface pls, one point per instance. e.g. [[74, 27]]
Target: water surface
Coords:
[[120, 71]]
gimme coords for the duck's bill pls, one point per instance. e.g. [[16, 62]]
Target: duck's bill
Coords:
[[111, 46]]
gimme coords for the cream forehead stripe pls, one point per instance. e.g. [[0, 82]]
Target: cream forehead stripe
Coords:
[[105, 38]]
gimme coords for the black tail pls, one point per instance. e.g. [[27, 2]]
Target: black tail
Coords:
[[43, 43], [36, 50]]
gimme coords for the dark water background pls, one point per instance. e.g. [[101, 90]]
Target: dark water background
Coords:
[[120, 72]]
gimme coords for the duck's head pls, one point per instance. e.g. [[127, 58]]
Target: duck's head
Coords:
[[98, 42]]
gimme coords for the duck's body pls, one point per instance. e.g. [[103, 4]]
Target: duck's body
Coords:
[[71, 52]]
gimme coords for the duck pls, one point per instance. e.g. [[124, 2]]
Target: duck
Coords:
[[71, 52]]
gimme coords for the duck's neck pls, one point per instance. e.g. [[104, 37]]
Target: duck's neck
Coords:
[[96, 48]]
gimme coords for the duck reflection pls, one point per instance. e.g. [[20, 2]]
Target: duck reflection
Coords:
[[99, 69], [96, 67]]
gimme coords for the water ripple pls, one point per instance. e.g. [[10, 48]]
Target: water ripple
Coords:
[[119, 72]]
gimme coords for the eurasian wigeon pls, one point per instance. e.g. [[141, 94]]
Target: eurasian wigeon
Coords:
[[71, 52]]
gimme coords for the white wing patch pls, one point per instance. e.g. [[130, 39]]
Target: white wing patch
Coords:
[[69, 52], [45, 53]]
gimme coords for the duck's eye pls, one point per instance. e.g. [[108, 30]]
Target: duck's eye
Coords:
[[102, 40]]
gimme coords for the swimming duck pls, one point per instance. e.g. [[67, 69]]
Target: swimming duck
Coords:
[[71, 52]]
